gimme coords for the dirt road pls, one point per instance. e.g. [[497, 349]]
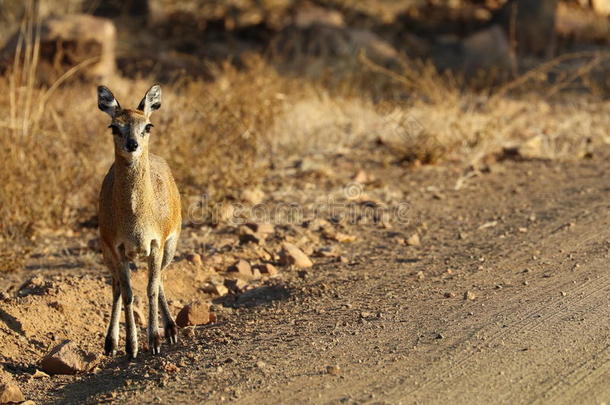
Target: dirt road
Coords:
[[507, 300]]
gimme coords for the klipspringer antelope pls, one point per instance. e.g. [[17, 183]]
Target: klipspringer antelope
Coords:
[[139, 217]]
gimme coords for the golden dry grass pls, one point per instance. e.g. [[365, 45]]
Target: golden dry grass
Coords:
[[220, 136]]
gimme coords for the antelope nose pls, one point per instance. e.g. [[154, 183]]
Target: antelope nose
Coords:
[[131, 145]]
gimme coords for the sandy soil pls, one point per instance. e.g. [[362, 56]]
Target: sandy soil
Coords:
[[505, 300]]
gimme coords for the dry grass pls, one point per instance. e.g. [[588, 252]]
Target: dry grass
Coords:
[[211, 133], [221, 136]]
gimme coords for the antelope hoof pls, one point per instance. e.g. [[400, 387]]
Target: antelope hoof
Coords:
[[131, 349], [110, 347], [154, 341], [171, 333]]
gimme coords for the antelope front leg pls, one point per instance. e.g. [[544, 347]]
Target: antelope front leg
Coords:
[[112, 336], [131, 338], [154, 278]]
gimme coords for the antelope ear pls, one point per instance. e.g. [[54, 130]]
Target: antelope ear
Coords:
[[106, 101], [151, 100]]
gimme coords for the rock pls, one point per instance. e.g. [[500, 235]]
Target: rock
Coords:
[[361, 177], [196, 313], [39, 374], [413, 240], [194, 259], [253, 196], [470, 296], [338, 236], [344, 238], [292, 255], [262, 228], [268, 269], [68, 358], [247, 235], [487, 49], [171, 368], [70, 40], [332, 44], [216, 288], [326, 251], [10, 393], [243, 269], [236, 285], [333, 370]]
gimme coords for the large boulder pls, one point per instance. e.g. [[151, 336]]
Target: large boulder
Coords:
[[487, 49], [331, 45], [71, 40]]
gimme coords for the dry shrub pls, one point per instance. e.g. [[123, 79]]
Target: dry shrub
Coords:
[[212, 134], [216, 134]]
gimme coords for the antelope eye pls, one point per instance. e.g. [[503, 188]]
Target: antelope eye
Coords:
[[115, 130], [148, 127]]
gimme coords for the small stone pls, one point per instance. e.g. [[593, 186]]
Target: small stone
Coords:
[[262, 228], [171, 368], [242, 268], [470, 296], [449, 295], [194, 259], [414, 240], [361, 177], [236, 285], [261, 364], [268, 269], [292, 255], [10, 393], [196, 313], [326, 251], [344, 238], [247, 235], [253, 196], [421, 275], [68, 358], [39, 374], [333, 370], [216, 288]]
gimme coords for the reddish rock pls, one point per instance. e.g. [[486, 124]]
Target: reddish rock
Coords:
[[268, 269], [242, 268], [68, 358], [195, 259], [196, 313], [290, 255]]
